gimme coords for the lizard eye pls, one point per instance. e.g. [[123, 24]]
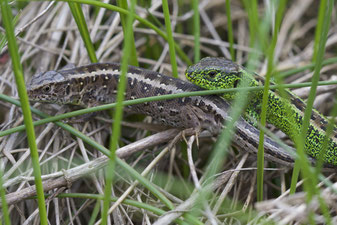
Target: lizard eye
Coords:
[[46, 89], [212, 74]]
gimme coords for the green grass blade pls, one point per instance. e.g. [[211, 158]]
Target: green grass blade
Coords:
[[77, 13], [220, 149], [270, 58], [196, 30], [133, 55], [255, 41], [6, 13], [94, 213], [311, 181], [319, 26], [170, 39], [116, 127], [251, 8], [230, 30], [4, 205], [290, 72]]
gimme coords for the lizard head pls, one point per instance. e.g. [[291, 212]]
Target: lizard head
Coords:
[[50, 87], [215, 73]]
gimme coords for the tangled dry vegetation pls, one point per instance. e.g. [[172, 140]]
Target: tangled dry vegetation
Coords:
[[48, 39]]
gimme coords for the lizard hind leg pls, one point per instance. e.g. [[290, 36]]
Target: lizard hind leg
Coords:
[[197, 120], [196, 134], [192, 118]]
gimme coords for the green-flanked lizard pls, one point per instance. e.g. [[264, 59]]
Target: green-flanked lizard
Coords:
[[287, 115]]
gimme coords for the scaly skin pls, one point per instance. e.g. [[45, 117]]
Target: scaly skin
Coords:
[[287, 115]]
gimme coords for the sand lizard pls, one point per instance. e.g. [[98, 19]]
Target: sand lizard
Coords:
[[287, 115]]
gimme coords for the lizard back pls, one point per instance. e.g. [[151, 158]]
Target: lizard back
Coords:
[[97, 84]]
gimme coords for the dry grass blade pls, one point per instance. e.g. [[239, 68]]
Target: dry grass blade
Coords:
[[293, 209]]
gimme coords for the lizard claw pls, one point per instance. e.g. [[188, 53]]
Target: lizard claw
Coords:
[[183, 136], [197, 137], [196, 134]]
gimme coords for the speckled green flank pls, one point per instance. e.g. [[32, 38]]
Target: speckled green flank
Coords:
[[287, 115]]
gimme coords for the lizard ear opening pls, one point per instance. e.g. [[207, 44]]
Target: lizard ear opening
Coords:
[[235, 84], [212, 74]]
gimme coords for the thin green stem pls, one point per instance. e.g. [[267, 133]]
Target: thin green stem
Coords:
[[311, 182], [77, 13], [170, 39], [6, 14], [116, 127], [4, 205], [196, 30], [230, 30], [290, 72], [133, 55], [265, 98], [319, 26]]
